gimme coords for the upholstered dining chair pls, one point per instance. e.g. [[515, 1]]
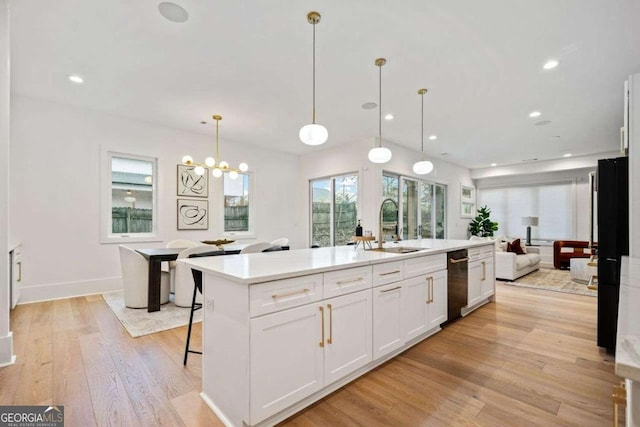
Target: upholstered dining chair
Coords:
[[282, 241], [171, 265], [183, 279], [256, 247], [135, 279]]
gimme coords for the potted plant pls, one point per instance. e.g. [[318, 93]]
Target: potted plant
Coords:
[[481, 225]]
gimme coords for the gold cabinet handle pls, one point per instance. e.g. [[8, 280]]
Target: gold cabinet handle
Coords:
[[455, 261], [484, 271], [344, 282], [428, 289], [322, 323], [389, 290], [619, 397], [19, 263], [431, 287], [330, 340], [390, 272], [288, 294]]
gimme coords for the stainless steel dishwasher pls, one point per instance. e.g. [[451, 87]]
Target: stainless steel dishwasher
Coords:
[[457, 279]]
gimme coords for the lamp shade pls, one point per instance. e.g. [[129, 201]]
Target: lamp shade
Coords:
[[379, 155], [313, 134], [422, 167], [530, 221]]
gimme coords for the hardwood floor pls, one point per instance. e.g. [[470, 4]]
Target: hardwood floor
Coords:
[[530, 359]]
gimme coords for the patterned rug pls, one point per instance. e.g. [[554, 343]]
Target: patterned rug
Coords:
[[138, 321], [553, 280]]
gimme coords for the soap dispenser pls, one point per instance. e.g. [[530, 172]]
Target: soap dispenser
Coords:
[[358, 229]]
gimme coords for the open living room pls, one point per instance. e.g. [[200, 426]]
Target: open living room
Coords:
[[223, 213]]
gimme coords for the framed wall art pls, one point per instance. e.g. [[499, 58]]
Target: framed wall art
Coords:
[[193, 214], [467, 201], [191, 184]]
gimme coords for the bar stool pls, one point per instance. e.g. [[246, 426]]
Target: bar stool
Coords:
[[195, 306]]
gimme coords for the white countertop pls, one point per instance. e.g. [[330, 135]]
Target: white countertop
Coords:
[[263, 267], [628, 338]]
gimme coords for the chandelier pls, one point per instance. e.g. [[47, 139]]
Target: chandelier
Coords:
[[313, 133], [380, 154], [219, 166], [422, 167]]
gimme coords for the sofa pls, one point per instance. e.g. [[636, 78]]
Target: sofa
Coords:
[[509, 265]]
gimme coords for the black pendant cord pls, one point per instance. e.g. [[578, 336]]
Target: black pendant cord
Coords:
[[380, 107], [314, 74]]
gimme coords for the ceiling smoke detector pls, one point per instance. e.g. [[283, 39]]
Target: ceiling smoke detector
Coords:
[[369, 105]]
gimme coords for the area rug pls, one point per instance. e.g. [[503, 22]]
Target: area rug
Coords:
[[553, 280], [138, 321]]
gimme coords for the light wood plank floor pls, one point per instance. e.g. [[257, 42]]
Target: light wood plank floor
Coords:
[[529, 359]]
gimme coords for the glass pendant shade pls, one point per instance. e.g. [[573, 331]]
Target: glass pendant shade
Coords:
[[243, 167], [217, 172], [379, 155], [210, 161], [233, 174], [422, 167], [199, 170], [187, 160], [313, 134]]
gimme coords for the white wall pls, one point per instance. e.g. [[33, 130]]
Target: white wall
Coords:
[[54, 200], [353, 158], [6, 341]]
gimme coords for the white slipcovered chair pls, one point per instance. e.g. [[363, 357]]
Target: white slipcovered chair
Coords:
[[256, 247], [135, 279], [178, 243], [282, 241], [184, 278]]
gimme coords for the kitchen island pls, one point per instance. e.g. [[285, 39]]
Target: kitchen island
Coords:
[[283, 329]]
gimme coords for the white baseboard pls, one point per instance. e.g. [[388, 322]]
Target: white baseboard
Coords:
[[51, 291], [6, 350]]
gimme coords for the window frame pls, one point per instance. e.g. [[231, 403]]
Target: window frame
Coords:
[[251, 233], [332, 208], [106, 201]]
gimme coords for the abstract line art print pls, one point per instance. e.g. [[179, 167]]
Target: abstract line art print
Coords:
[[191, 184], [193, 214]]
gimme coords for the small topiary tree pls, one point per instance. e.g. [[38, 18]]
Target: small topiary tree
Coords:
[[481, 225]]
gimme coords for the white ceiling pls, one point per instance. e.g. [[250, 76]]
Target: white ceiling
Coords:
[[250, 61]]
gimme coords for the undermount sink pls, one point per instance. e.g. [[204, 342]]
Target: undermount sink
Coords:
[[398, 250]]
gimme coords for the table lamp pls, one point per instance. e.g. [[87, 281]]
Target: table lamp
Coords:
[[529, 221]]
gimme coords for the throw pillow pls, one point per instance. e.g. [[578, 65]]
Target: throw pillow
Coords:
[[515, 247]]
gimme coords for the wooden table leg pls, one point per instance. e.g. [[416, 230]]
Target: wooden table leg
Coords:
[[153, 299]]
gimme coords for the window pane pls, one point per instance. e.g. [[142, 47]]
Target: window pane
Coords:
[[345, 208], [236, 202], [426, 209], [441, 196], [390, 185], [409, 209], [321, 212], [131, 195]]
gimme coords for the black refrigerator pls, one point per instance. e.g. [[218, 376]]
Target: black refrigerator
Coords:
[[613, 242]]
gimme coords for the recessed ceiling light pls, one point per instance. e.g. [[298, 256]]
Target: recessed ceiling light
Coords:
[[433, 137], [369, 105], [75, 78], [494, 165], [535, 114], [567, 154], [203, 122], [388, 116], [552, 63], [173, 12], [444, 154]]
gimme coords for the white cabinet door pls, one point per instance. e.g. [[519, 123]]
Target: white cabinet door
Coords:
[[347, 334], [487, 284], [286, 359], [438, 298], [415, 306], [388, 333], [473, 286]]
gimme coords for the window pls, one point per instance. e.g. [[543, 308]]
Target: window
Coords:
[[551, 203], [128, 197], [421, 205], [334, 212], [239, 215]]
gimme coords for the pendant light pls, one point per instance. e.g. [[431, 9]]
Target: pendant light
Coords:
[[313, 134], [221, 166], [380, 154], [422, 167]]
